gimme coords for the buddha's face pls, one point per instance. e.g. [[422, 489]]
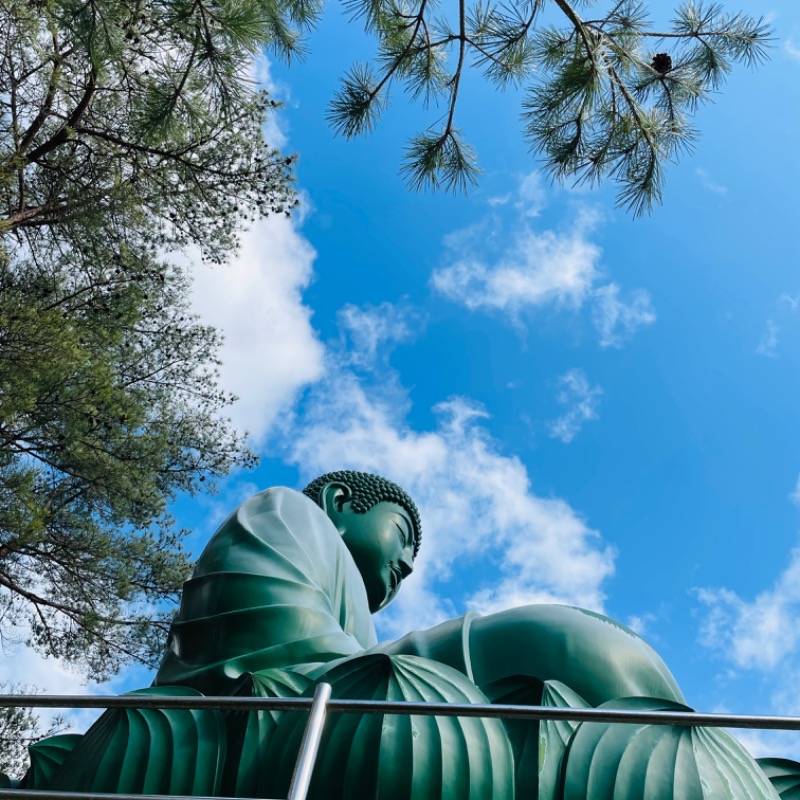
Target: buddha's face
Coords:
[[381, 542]]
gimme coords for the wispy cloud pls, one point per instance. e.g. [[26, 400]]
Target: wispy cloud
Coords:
[[760, 635], [768, 345], [531, 195], [271, 350], [505, 263], [477, 502], [641, 623], [580, 399], [536, 269], [790, 301], [371, 332], [755, 634], [710, 184], [792, 49], [795, 494], [617, 320]]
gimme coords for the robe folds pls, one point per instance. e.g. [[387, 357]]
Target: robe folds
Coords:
[[276, 603], [275, 587]]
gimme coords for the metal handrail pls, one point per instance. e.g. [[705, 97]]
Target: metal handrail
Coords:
[[301, 779], [686, 718], [321, 703]]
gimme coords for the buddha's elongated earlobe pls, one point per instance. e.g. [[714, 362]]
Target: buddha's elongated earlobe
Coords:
[[333, 497]]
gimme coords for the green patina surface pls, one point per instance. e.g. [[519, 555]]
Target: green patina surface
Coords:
[[282, 597]]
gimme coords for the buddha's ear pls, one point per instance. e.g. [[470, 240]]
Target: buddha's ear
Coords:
[[333, 496]]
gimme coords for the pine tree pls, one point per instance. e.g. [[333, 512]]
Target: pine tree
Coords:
[[608, 95], [20, 728], [127, 131]]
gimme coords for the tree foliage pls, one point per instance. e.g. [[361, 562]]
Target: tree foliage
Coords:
[[608, 94], [108, 407], [127, 131], [137, 119], [20, 728]]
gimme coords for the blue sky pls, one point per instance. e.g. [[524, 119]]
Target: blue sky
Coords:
[[588, 408]]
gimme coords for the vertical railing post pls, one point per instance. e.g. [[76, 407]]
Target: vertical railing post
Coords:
[[311, 739]]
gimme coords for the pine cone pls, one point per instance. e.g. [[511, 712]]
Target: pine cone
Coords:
[[662, 63]]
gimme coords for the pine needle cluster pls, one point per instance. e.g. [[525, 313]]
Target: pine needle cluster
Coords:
[[606, 96]]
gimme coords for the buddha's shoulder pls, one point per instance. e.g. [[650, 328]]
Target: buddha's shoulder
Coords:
[[280, 508], [280, 501]]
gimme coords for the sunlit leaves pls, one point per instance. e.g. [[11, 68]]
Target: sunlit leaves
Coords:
[[615, 99], [110, 407], [148, 111]]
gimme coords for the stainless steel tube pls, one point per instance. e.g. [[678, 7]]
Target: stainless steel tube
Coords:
[[310, 745], [689, 718]]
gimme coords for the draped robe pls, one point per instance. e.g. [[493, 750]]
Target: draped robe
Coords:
[[274, 587], [277, 587]]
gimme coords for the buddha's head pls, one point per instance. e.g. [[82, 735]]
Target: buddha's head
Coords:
[[379, 524]]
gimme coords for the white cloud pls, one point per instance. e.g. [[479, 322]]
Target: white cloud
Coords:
[[768, 744], [641, 623], [768, 346], [792, 301], [795, 494], [271, 350], [616, 321], [529, 198], [477, 504], [759, 634], [535, 269], [581, 400], [531, 195], [792, 49], [372, 331], [495, 265], [500, 199]]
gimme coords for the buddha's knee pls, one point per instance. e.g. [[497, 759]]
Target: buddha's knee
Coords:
[[597, 657]]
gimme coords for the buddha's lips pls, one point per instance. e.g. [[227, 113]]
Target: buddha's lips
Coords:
[[396, 578]]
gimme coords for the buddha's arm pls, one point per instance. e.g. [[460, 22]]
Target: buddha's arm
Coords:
[[274, 587]]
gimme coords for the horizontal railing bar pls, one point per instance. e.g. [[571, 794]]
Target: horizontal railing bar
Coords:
[[42, 794], [686, 718], [154, 701]]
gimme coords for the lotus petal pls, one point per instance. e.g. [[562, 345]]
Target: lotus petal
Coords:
[[46, 757], [249, 732], [784, 775], [538, 745], [397, 757], [148, 751], [632, 761]]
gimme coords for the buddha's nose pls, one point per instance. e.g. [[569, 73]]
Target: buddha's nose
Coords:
[[406, 564]]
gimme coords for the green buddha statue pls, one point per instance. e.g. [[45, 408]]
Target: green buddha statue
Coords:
[[282, 597]]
